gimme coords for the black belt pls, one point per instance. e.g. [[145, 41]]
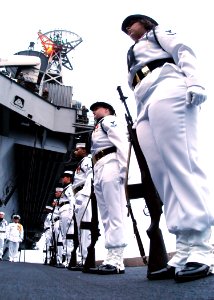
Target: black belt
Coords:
[[78, 188], [63, 203], [144, 71], [103, 153]]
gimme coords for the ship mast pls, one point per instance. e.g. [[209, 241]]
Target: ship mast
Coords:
[[56, 46]]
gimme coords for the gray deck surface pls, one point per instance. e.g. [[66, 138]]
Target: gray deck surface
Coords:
[[26, 281]]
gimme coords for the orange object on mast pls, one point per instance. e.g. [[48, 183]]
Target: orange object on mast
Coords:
[[48, 45]]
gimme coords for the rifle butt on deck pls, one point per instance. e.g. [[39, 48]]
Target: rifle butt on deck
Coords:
[[74, 237], [158, 257], [93, 226]]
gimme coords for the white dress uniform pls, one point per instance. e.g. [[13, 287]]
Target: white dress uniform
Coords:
[[167, 132], [66, 211], [109, 175], [57, 233], [3, 226], [15, 235], [48, 235], [82, 181]]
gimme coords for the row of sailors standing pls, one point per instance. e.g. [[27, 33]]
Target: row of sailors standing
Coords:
[[71, 200], [109, 151]]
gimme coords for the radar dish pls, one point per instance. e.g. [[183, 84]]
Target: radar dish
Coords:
[[60, 43], [56, 46]]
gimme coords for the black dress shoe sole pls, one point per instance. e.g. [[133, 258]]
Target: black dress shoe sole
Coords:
[[185, 276], [110, 272]]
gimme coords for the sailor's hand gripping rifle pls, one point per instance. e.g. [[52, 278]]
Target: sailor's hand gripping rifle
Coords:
[[157, 252]]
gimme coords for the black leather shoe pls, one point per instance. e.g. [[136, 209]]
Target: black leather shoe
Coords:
[[109, 270], [63, 258], [78, 267], [165, 273], [60, 266], [192, 271]]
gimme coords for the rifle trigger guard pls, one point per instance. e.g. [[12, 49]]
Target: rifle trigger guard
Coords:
[[128, 206]]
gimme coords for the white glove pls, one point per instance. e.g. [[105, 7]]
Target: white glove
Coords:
[[195, 95], [134, 124]]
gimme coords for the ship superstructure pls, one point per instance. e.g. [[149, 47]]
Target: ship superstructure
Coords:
[[39, 127]]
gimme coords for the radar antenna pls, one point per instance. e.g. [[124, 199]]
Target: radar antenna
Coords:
[[56, 46]]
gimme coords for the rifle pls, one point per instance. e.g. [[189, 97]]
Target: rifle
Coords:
[[130, 191], [53, 247], [46, 254], [158, 257], [93, 226], [73, 260]]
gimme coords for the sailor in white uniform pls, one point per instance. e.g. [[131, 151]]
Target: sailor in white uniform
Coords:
[[15, 235], [82, 190], [56, 229], [66, 211], [164, 76], [109, 151], [48, 232], [3, 226]]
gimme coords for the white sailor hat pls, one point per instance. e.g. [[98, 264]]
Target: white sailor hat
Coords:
[[2, 213], [104, 105], [16, 217], [81, 145], [67, 173], [136, 18], [58, 189]]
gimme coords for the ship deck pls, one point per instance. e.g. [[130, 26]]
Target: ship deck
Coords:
[[29, 281]]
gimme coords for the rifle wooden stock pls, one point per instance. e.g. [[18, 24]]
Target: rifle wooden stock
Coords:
[[53, 249], [93, 226], [74, 237], [157, 251]]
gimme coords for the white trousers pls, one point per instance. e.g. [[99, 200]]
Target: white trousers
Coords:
[[83, 213], [111, 200], [48, 242], [67, 227], [13, 250], [192, 246], [167, 133], [58, 241]]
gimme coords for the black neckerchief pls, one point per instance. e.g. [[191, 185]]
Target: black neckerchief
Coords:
[[131, 60]]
